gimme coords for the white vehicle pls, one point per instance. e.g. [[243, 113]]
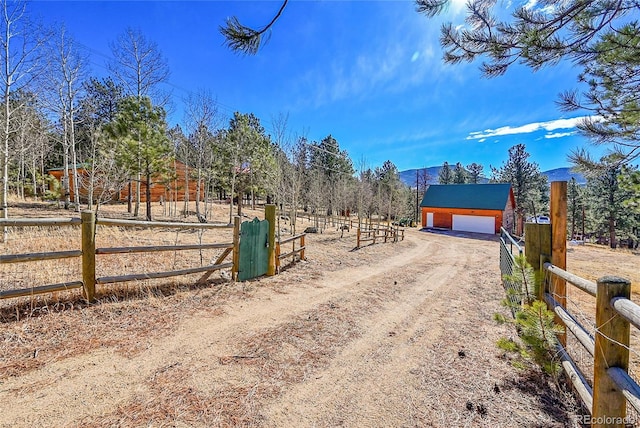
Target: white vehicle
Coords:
[[541, 219]]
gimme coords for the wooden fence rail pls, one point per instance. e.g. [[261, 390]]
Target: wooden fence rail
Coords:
[[613, 387], [88, 252], [394, 234], [208, 270], [29, 257], [295, 251]]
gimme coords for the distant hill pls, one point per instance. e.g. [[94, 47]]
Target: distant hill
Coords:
[[564, 174], [408, 177]]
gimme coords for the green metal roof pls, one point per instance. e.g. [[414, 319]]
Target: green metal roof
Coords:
[[470, 196]]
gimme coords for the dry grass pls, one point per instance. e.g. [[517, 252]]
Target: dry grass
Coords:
[[593, 261], [126, 319]]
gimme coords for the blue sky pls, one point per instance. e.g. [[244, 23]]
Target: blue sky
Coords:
[[368, 73]]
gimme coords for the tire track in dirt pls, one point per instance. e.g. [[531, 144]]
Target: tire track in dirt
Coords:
[[366, 383]]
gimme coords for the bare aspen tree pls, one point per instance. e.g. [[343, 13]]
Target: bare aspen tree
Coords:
[[20, 44], [299, 158], [29, 133], [365, 191], [202, 119], [65, 84], [140, 67], [27, 142], [283, 172]]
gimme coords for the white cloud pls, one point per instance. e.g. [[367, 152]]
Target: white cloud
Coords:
[[415, 56], [529, 128], [559, 135], [531, 4]]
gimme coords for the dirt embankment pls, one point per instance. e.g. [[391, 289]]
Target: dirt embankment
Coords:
[[389, 335]]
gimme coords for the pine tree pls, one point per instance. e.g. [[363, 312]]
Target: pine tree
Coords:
[[247, 156], [630, 183], [459, 174], [445, 175], [528, 184], [140, 130], [475, 172], [608, 215], [522, 289], [535, 322], [612, 79]]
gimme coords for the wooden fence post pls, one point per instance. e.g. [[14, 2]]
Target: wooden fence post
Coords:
[[358, 238], [270, 216], [277, 257], [611, 350], [236, 248], [558, 212], [302, 257], [537, 244], [89, 254]]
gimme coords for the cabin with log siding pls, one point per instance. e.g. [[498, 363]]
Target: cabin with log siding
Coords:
[[180, 185]]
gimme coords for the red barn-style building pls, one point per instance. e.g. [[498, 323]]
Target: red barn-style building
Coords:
[[482, 208]]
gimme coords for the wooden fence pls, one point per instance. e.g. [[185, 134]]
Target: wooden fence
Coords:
[[385, 234], [612, 387], [299, 252], [615, 313], [30, 257], [89, 251]]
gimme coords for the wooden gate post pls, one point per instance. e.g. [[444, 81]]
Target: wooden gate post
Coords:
[[611, 350], [270, 216], [89, 254], [558, 214], [236, 248]]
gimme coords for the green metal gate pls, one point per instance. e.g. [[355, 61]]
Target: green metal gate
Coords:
[[254, 249]]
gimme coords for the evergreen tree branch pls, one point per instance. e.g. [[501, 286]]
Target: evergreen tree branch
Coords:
[[243, 39]]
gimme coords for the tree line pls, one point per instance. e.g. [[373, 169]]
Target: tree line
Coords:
[[111, 133]]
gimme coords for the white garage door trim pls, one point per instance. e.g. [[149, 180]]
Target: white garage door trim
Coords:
[[474, 223]]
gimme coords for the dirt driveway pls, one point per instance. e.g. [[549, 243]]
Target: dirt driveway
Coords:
[[388, 335]]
